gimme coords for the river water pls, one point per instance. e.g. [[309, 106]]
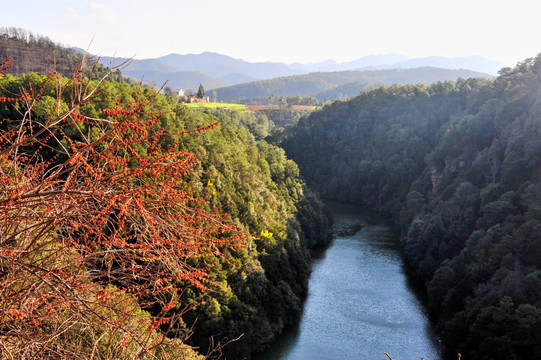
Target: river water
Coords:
[[359, 303]]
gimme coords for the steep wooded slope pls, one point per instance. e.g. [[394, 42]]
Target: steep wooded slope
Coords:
[[252, 291], [457, 166]]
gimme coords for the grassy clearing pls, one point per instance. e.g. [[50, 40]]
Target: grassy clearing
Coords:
[[217, 106]]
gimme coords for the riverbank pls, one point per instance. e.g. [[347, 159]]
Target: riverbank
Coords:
[[359, 303]]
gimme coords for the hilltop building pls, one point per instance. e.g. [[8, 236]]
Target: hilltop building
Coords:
[[184, 97]]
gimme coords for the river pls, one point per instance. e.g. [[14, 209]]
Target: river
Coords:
[[359, 303]]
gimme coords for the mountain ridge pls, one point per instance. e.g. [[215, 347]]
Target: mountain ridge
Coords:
[[472, 62], [322, 84], [227, 71]]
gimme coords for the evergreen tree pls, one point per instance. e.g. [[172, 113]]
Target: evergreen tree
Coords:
[[201, 92]]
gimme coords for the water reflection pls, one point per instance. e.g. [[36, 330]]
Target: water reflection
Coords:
[[359, 304]]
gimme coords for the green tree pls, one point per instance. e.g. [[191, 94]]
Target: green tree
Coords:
[[201, 92], [456, 166]]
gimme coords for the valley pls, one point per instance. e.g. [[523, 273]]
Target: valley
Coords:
[[139, 226]]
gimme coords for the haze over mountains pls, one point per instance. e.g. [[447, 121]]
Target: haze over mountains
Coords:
[[338, 84], [215, 70], [235, 80]]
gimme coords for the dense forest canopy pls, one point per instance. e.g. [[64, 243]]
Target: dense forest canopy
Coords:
[[457, 165], [249, 291]]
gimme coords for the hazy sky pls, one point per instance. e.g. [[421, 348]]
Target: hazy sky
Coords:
[[287, 30]]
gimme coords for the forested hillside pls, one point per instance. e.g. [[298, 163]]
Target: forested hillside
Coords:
[[115, 234], [39, 54], [314, 84], [262, 290], [457, 166]]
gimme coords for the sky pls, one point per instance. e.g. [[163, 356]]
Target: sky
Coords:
[[287, 31]]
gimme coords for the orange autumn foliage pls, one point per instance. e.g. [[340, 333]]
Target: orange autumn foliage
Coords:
[[95, 213]]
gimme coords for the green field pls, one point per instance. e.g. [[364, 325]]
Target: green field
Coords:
[[217, 106]]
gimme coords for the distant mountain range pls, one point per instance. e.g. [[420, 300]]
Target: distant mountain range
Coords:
[[216, 70], [210, 69], [235, 79]]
